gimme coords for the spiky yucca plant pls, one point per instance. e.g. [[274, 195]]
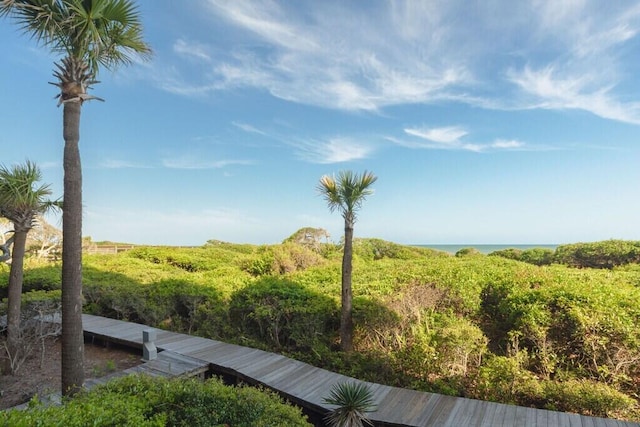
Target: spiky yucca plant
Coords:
[[353, 401]]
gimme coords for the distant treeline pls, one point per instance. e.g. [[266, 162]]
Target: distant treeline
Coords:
[[605, 254]]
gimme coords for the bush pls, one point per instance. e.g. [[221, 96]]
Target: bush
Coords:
[[282, 259], [509, 253], [586, 397], [180, 305], [606, 254], [468, 252], [375, 249], [504, 379], [538, 256], [535, 256], [139, 400], [284, 314], [38, 275]]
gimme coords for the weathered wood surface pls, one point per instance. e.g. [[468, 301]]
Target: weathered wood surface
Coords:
[[308, 385], [167, 364]]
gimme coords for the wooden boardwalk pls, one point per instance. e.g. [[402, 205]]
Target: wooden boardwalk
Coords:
[[307, 385]]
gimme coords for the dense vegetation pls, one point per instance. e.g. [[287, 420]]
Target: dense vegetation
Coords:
[[514, 328], [139, 401]]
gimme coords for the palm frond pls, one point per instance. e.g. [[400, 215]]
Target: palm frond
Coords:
[[21, 198], [97, 32], [347, 191]]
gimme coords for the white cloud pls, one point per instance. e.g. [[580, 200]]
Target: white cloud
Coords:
[[191, 49], [122, 164], [506, 55], [49, 165], [316, 55], [450, 138], [333, 150], [190, 162], [503, 143], [551, 89], [444, 135], [248, 128], [268, 20]]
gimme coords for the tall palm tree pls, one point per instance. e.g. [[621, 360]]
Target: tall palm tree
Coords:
[[345, 193], [88, 34], [21, 200]]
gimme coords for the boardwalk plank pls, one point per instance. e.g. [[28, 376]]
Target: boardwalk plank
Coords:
[[509, 415], [465, 413], [521, 416], [185, 344], [487, 417], [288, 372], [441, 412], [268, 363]]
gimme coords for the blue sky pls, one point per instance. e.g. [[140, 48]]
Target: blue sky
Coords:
[[485, 122]]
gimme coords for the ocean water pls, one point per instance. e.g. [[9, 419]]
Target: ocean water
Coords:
[[487, 249]]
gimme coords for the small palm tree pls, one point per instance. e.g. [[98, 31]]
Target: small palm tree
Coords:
[[345, 193], [89, 34], [353, 401], [21, 200]]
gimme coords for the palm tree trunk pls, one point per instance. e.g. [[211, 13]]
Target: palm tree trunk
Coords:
[[15, 296], [346, 319], [72, 331]]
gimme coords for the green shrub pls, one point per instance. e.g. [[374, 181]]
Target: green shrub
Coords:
[[460, 345], [375, 249], [180, 305], [535, 256], [38, 275], [138, 400], [35, 303], [468, 252], [284, 314], [586, 397], [504, 379], [282, 259], [509, 253], [606, 254], [538, 256]]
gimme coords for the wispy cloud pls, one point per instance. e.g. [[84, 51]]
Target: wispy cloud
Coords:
[[451, 138], [332, 150], [191, 49], [577, 61], [316, 55], [248, 128], [444, 135], [49, 165], [268, 20], [190, 162], [543, 54], [550, 89], [503, 143], [122, 164]]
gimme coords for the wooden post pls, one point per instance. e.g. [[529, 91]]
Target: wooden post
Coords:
[[149, 350]]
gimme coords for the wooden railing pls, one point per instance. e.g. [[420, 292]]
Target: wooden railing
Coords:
[[108, 249]]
